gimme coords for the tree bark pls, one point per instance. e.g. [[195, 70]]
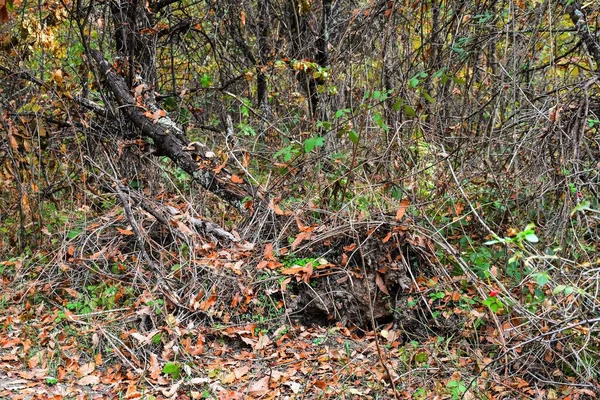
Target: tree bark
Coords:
[[579, 18], [194, 158]]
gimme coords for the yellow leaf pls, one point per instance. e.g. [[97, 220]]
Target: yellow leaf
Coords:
[[57, 76]]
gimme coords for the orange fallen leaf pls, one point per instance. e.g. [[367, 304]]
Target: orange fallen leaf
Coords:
[[387, 237], [350, 247], [321, 385], [402, 210], [125, 231], [34, 361], [459, 208], [300, 237], [236, 179], [276, 209], [11, 342], [228, 378]]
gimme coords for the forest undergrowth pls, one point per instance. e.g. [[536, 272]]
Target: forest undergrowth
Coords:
[[299, 199]]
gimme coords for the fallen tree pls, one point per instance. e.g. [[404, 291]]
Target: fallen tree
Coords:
[[169, 139]]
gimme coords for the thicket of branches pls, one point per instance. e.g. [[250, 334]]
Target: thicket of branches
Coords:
[[306, 127]]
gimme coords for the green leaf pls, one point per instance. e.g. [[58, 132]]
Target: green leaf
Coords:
[[378, 118], [286, 152], [414, 82], [409, 111], [532, 238], [311, 143], [376, 94], [72, 234], [558, 289], [542, 278], [172, 369], [206, 80], [324, 125], [156, 339], [569, 290], [581, 207], [439, 73], [353, 136], [51, 381], [421, 357], [428, 97]]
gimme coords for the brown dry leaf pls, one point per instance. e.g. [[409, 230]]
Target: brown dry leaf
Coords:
[[132, 392], [184, 228], [381, 284], [293, 270], [71, 292], [402, 210], [300, 237], [228, 378], [300, 272], [268, 253], [154, 366], [248, 341], [588, 392], [458, 208], [241, 371], [259, 387], [34, 361], [138, 90], [3, 11], [263, 341], [89, 380], [168, 393], [11, 342], [125, 231], [85, 369]]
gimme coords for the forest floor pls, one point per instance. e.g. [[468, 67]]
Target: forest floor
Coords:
[[48, 352]]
